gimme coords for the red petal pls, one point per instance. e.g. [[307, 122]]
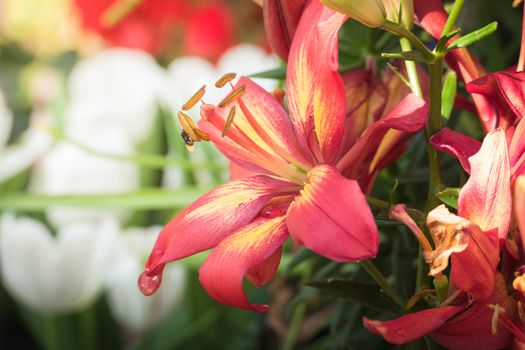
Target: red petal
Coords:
[[263, 273], [281, 18], [316, 93], [222, 273], [410, 115], [473, 269], [519, 206], [486, 199], [412, 326], [472, 329], [214, 216], [512, 87], [456, 144], [332, 217]]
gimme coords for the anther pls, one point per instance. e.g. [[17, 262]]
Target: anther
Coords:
[[188, 125], [232, 96], [192, 101], [201, 134], [229, 121], [225, 79]]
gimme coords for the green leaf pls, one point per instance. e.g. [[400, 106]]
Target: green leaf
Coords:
[[146, 199], [474, 36], [449, 94], [366, 294], [277, 73], [405, 56], [448, 195]]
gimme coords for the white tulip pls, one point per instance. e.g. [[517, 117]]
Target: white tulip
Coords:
[[67, 169], [54, 274], [128, 305], [121, 86]]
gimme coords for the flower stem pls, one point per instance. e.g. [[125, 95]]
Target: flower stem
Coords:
[[411, 37], [299, 313], [381, 280], [51, 333], [453, 17]]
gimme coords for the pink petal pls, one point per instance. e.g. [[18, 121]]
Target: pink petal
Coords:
[[410, 115], [519, 206], [315, 88], [512, 87], [413, 326], [516, 145], [332, 218], [281, 18], [456, 144], [222, 273], [212, 217], [486, 199], [263, 273], [473, 268]]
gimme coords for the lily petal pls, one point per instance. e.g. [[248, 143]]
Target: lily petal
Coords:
[[332, 218], [410, 115], [472, 329], [456, 144], [263, 273], [315, 88], [214, 216], [412, 326], [473, 269], [281, 18], [486, 198], [519, 206], [222, 273]]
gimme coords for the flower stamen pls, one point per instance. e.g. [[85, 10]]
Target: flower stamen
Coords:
[[225, 79], [192, 101], [229, 121], [233, 95]]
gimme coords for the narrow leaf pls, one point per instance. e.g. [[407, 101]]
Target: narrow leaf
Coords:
[[474, 36], [365, 294], [449, 196], [277, 73], [405, 55], [449, 94]]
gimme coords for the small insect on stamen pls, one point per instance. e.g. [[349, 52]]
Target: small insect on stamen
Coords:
[[192, 101], [225, 79], [229, 121], [232, 96], [188, 125], [190, 144]]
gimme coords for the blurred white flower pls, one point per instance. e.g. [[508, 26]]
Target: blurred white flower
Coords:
[[67, 169], [119, 86], [187, 74], [129, 306], [57, 274], [19, 156]]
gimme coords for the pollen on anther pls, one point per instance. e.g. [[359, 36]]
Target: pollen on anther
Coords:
[[225, 79], [232, 96], [192, 101], [229, 121]]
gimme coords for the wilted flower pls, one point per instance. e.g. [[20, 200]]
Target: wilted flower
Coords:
[[299, 189], [471, 241], [54, 274], [130, 307]]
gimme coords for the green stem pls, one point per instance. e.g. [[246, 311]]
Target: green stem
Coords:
[[298, 315], [411, 37], [88, 329], [51, 333], [452, 17], [411, 66], [373, 271]]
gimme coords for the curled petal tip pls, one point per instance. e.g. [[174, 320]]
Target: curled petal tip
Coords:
[[148, 284]]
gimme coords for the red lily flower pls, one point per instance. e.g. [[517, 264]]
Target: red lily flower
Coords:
[[470, 239], [300, 190]]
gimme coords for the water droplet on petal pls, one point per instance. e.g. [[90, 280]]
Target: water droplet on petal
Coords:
[[271, 212], [149, 284]]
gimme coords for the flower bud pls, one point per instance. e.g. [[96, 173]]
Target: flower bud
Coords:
[[371, 13], [400, 11]]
